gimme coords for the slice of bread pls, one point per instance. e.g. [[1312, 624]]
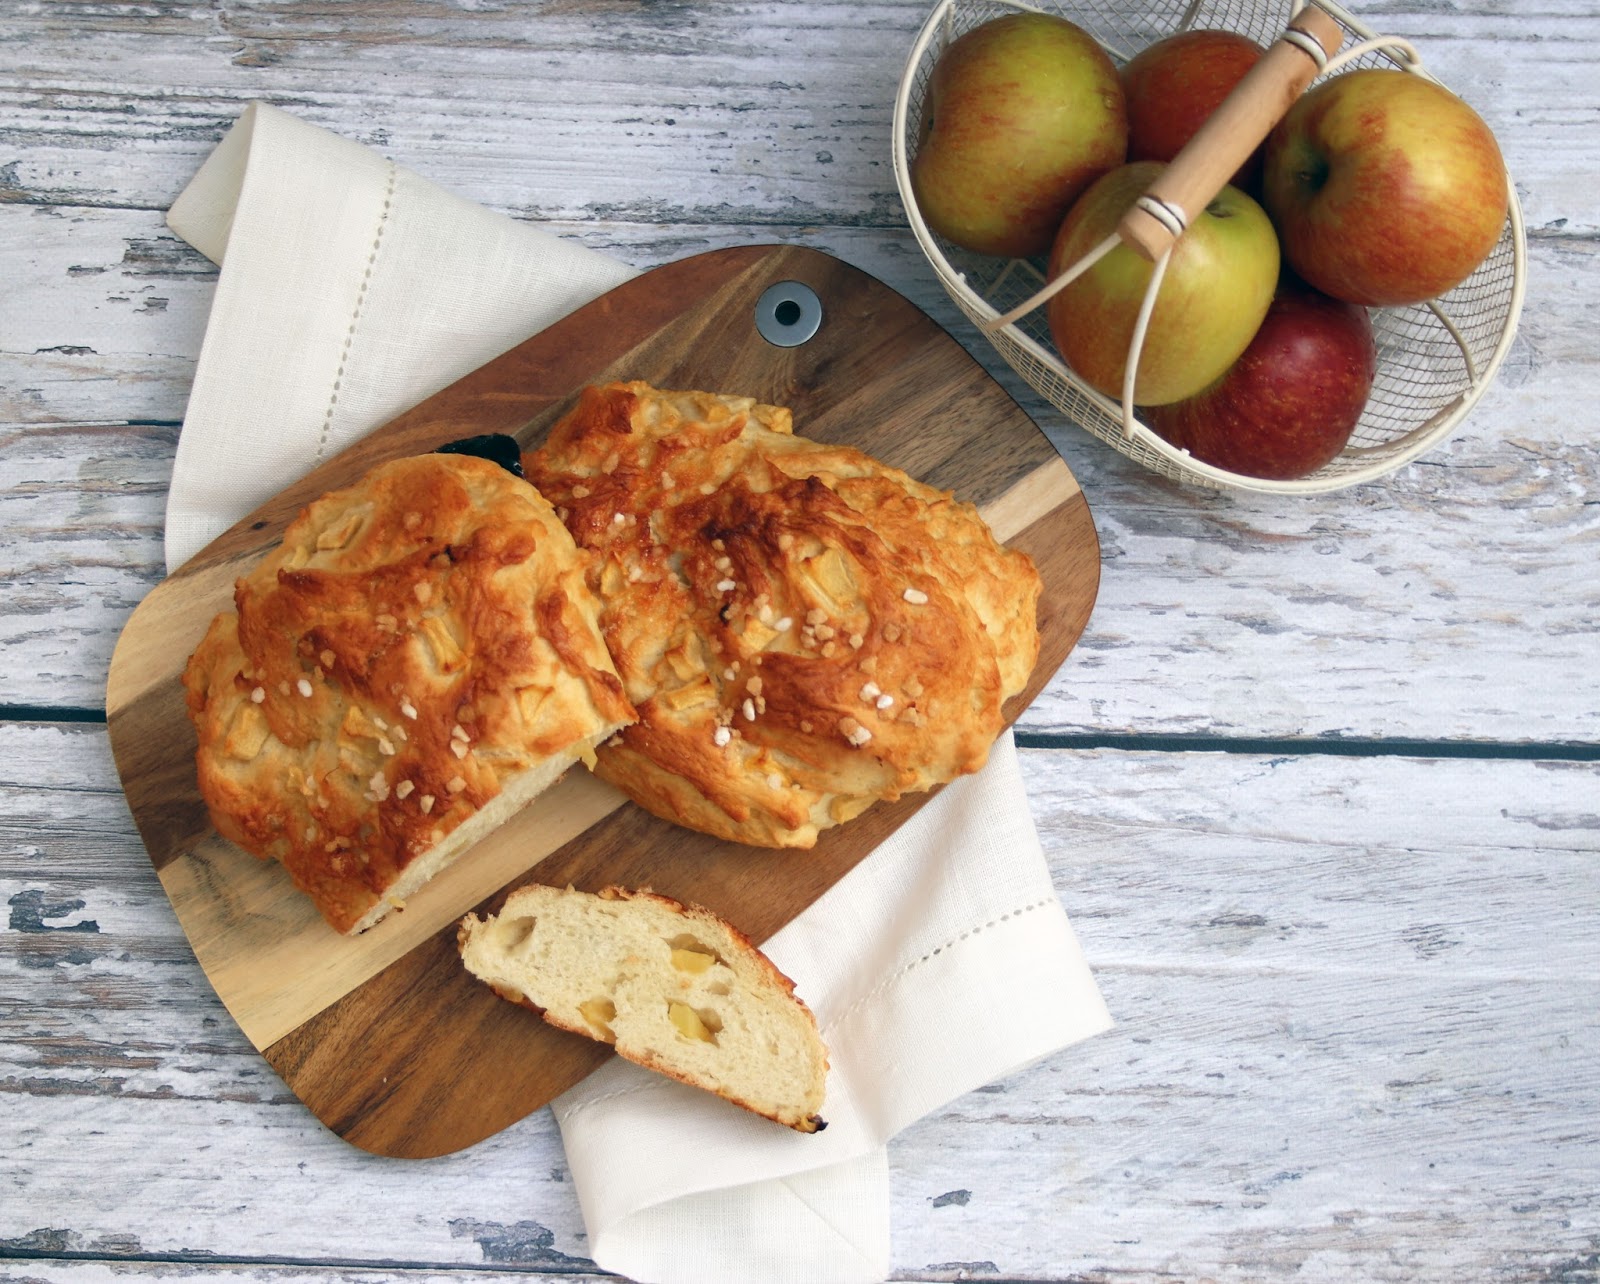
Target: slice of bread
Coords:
[[674, 987]]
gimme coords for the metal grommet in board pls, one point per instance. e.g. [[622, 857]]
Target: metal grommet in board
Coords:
[[788, 313]]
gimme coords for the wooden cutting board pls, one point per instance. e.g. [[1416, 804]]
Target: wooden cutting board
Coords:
[[385, 1037]]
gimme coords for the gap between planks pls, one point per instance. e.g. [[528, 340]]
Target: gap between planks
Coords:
[[1139, 742]]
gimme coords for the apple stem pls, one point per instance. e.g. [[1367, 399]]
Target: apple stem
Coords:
[[1054, 287]]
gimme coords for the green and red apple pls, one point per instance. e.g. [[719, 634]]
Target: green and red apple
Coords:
[[1217, 288], [1020, 115], [1174, 85], [1387, 189], [1289, 404]]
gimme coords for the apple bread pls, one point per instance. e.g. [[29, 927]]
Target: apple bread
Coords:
[[417, 660], [672, 987], [803, 630]]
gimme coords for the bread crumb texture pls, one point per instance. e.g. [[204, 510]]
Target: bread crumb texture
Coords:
[[672, 987]]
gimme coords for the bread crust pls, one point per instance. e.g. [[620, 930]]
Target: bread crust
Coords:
[[803, 630], [421, 644]]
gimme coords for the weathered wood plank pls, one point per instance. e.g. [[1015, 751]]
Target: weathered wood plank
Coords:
[[1455, 598], [109, 307], [82, 546], [105, 312], [500, 1243], [754, 108], [1355, 1040], [739, 113]]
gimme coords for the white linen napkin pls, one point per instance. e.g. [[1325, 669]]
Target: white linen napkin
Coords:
[[350, 290]]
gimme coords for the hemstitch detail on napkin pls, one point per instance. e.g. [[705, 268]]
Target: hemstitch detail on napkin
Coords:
[[893, 978], [355, 318]]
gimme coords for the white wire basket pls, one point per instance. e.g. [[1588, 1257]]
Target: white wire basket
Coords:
[[1435, 359]]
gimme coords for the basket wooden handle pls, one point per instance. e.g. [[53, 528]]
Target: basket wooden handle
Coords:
[[1232, 132]]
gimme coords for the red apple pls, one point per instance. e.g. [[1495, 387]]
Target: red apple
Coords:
[[1288, 405], [1021, 114], [1174, 85], [1386, 188], [1218, 284]]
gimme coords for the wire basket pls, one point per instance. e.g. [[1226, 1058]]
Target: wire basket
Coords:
[[1435, 359]]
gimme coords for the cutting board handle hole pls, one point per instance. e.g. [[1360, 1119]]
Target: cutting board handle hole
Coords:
[[788, 314]]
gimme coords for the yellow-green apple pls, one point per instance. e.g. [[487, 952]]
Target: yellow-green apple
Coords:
[[1174, 85], [1020, 115], [1288, 405], [1387, 189], [1218, 284]]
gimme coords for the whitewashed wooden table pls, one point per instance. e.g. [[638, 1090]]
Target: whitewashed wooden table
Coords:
[[1319, 787]]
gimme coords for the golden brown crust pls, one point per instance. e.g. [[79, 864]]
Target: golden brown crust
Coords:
[[803, 630], [419, 643]]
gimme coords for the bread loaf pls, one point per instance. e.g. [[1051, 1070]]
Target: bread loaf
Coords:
[[673, 987], [416, 661], [803, 629]]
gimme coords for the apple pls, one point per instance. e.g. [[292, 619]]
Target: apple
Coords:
[[1287, 406], [1386, 188], [1218, 285], [1174, 85], [1020, 115]]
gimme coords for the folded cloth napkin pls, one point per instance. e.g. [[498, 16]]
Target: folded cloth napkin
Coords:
[[350, 290]]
